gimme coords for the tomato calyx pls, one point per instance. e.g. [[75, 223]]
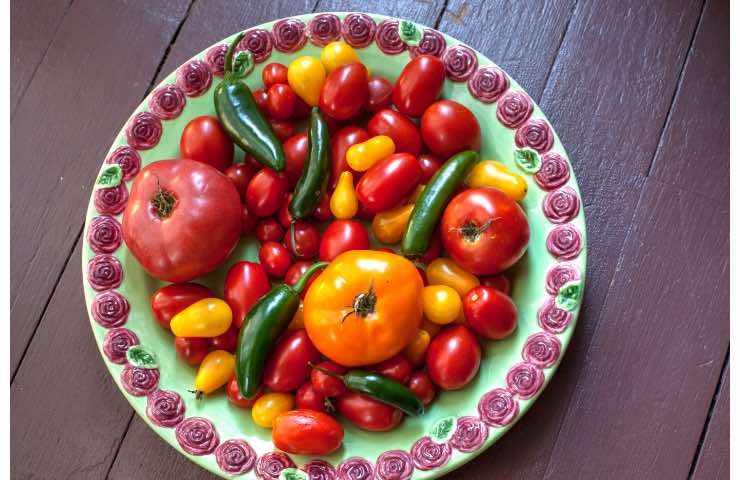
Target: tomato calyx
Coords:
[[363, 304], [471, 231], [163, 202], [198, 394]]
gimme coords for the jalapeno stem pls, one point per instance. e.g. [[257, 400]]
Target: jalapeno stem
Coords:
[[293, 243], [328, 372], [301, 283], [228, 59]]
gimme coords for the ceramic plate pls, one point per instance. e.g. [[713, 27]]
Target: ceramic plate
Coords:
[[547, 283]]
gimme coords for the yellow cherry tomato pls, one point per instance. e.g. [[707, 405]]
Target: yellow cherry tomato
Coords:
[[444, 271], [266, 409], [362, 156], [207, 318], [431, 328], [490, 173], [343, 202], [416, 350], [389, 226], [306, 76], [415, 194], [214, 372], [442, 304], [336, 54], [297, 322]]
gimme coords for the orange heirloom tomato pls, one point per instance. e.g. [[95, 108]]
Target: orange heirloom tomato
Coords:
[[364, 307]]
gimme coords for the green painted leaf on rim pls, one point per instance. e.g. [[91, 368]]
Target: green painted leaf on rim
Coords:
[[140, 356], [528, 160], [569, 295], [293, 474], [111, 176], [442, 429], [243, 63], [409, 33]]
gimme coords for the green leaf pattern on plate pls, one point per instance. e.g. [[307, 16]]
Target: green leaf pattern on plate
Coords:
[[528, 160], [111, 176], [569, 295], [409, 33], [141, 356], [442, 429], [243, 63], [293, 474]]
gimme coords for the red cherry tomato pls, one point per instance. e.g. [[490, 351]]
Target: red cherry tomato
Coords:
[[302, 109], [484, 231], [236, 399], [419, 85], [323, 211], [500, 282], [296, 152], [448, 127], [253, 162], [172, 299], [396, 368], [283, 215], [269, 230], [275, 259], [240, 174], [274, 73], [344, 92], [387, 182], [192, 350], [282, 128], [307, 238], [204, 140], [367, 413], [227, 340], [490, 313], [380, 94], [434, 250], [280, 101], [265, 192], [363, 213], [404, 133], [341, 236], [307, 397], [307, 432], [245, 283], [429, 165], [422, 386], [296, 271], [453, 358], [249, 221], [287, 367], [260, 98], [340, 143], [325, 384]]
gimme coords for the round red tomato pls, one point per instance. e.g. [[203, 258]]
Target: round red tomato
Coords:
[[484, 231], [429, 165], [245, 283], [176, 227], [265, 192], [453, 358], [341, 236], [249, 221], [325, 384], [323, 210], [307, 238], [275, 259], [448, 127], [490, 313], [269, 230], [380, 94], [307, 397], [344, 92], [205, 140], [396, 368], [274, 73], [387, 182], [280, 101], [240, 174], [419, 85], [422, 386], [340, 143], [236, 399], [404, 133], [367, 413], [500, 282], [172, 299], [296, 152], [192, 350], [227, 340], [307, 432], [288, 368], [296, 271], [282, 128], [260, 98]]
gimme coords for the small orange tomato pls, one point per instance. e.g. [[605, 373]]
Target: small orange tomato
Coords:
[[389, 226], [416, 350]]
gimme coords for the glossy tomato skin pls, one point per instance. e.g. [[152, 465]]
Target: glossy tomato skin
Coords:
[[419, 85], [500, 282], [490, 313], [269, 230], [344, 92], [280, 101], [323, 209], [396, 368], [434, 250], [453, 357], [249, 221], [192, 350], [325, 384], [204, 140], [245, 283], [367, 413], [302, 109], [307, 432], [283, 128], [172, 299], [341, 236], [169, 246], [275, 259], [265, 192], [283, 215], [387, 182], [404, 133], [260, 98], [307, 238], [226, 341], [296, 152], [236, 399], [422, 386], [307, 397], [240, 174], [274, 73], [496, 248], [340, 143], [429, 165], [287, 367], [296, 271], [380, 94], [448, 128]]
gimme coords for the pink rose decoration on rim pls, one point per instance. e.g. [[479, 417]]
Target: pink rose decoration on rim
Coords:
[[514, 108], [111, 200], [525, 380], [388, 39], [139, 381], [460, 62], [324, 29], [319, 470], [535, 134], [355, 468], [117, 341], [488, 84], [432, 43], [104, 234], [167, 102], [554, 171], [194, 78], [541, 350], [197, 436], [564, 242], [144, 131], [165, 408], [498, 407], [358, 30], [428, 454], [104, 272], [215, 57], [235, 457], [128, 159], [270, 465], [559, 275], [469, 435], [552, 318], [258, 42], [560, 206], [394, 465], [109, 309], [288, 35]]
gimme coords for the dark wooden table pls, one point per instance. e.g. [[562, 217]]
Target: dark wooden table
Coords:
[[638, 92]]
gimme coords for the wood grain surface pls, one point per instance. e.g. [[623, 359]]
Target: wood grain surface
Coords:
[[637, 92]]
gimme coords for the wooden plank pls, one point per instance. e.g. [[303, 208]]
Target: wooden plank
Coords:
[[702, 95], [421, 11], [96, 71], [714, 458], [33, 26]]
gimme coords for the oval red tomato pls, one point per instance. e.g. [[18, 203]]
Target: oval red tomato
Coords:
[[453, 358], [192, 350], [260, 98], [324, 383], [182, 220], [288, 368], [204, 140], [284, 216], [240, 174], [269, 230], [429, 165], [281, 101], [274, 73], [249, 221], [449, 127], [283, 128], [307, 432], [484, 231], [245, 283], [396, 368], [296, 271], [323, 210], [172, 299], [236, 399], [344, 92], [307, 397], [404, 133], [387, 182], [227, 340], [419, 85], [490, 313], [380, 94], [265, 192], [367, 413], [275, 259], [302, 109], [307, 238], [341, 236], [296, 152], [340, 143], [422, 386], [500, 282]]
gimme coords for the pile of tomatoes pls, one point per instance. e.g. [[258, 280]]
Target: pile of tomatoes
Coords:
[[417, 324]]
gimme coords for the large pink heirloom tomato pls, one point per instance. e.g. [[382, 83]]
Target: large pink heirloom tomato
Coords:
[[182, 220]]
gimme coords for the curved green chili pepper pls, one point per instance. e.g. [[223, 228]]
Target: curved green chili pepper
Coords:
[[267, 319], [431, 203], [241, 117]]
